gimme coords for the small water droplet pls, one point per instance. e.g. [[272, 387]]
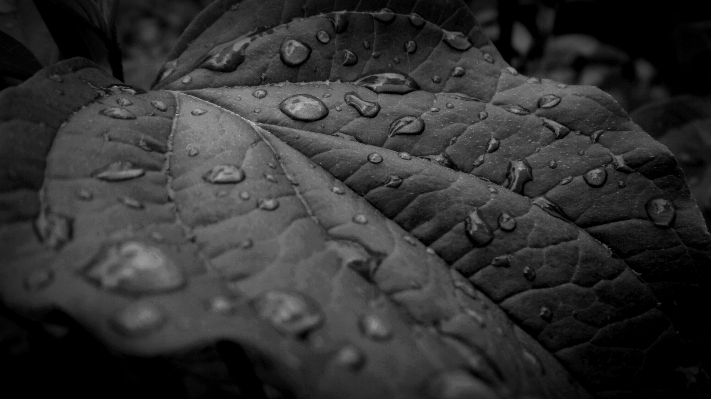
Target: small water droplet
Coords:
[[395, 60], [406, 125], [507, 222], [394, 181], [552, 164], [548, 101], [375, 328], [259, 93], [138, 319], [187, 79], [621, 184], [416, 20], [365, 108], [293, 52], [410, 46], [366, 44], [477, 230], [350, 357], [595, 177], [339, 21], [118, 113], [501, 261], [338, 108], [661, 211], [434, 109], [338, 190], [529, 273], [388, 82], [56, 78], [493, 190], [385, 15], [375, 158], [533, 79], [198, 112], [483, 115], [244, 195], [323, 36], [489, 58], [84, 194], [289, 312], [545, 314], [458, 72], [193, 152], [349, 58], [270, 178], [118, 171], [558, 130], [375, 54], [39, 279], [430, 251], [450, 105], [268, 204], [493, 145], [479, 161], [410, 240], [515, 109], [566, 180], [159, 105], [124, 102], [304, 107], [247, 243], [404, 155], [550, 208], [456, 40], [581, 152], [519, 173], [512, 70], [618, 161]]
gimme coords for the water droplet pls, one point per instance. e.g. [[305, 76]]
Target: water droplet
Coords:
[[193, 152], [661, 211], [351, 357], [138, 319], [566, 180], [135, 267], [483, 115], [430, 251], [39, 279], [434, 109], [339, 21], [621, 184], [338, 108], [375, 158], [456, 40], [493, 190], [562, 85], [187, 79], [220, 305], [226, 57], [581, 152], [375, 54], [84, 194], [323, 36], [552, 164], [246, 243], [458, 72], [545, 314], [118, 113], [618, 161], [349, 58], [53, 229], [388, 82], [131, 202], [56, 78], [406, 125], [270, 178], [124, 102], [259, 93], [395, 60], [198, 112], [458, 384], [404, 155], [394, 181], [493, 145], [518, 174], [501, 261], [416, 20], [410, 46], [385, 15], [550, 208], [533, 79], [338, 190], [595, 136], [410, 240], [595, 177], [304, 107], [375, 328], [507, 222], [294, 53], [360, 219], [224, 174], [529, 273], [118, 171], [436, 79], [479, 161], [488, 58], [159, 105], [548, 101], [365, 108], [512, 70], [477, 230], [515, 109], [268, 204], [534, 360], [289, 312], [450, 105], [366, 44], [558, 130]]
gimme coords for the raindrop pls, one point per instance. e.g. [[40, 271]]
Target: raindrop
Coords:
[[349, 58], [124, 102], [476, 316], [246, 243], [501, 261], [533, 79], [545, 314], [550, 207], [131, 202], [338, 190], [226, 57], [529, 273], [376, 54], [456, 40], [595, 136], [375, 328], [661, 211], [534, 360], [404, 155], [198, 112], [410, 240], [512, 70], [436, 78], [118, 171], [394, 181], [410, 46], [518, 174], [289, 312], [621, 184], [416, 20], [493, 145], [84, 194], [53, 229], [618, 161], [365, 108], [187, 79], [552, 164], [270, 178], [458, 72], [323, 36], [581, 152], [224, 174], [388, 82], [548, 101], [434, 109], [118, 113], [338, 108], [304, 107], [595, 177], [360, 219], [159, 105], [326, 95], [385, 15], [406, 125], [430, 251], [515, 109], [339, 21], [138, 319], [458, 384], [351, 357], [193, 152], [558, 130], [479, 161], [39, 279], [483, 115], [489, 58], [244, 195], [294, 53], [395, 60], [477, 230], [566, 180], [366, 44], [268, 204], [507, 222], [375, 158], [220, 305], [259, 93], [450, 105]]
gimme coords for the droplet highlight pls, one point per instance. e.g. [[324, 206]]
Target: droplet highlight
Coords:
[[558, 130], [375, 158], [323, 37], [268, 204], [410, 46], [224, 174], [458, 72], [394, 181], [349, 58], [492, 145], [385, 15], [507, 222], [375, 328], [138, 319]]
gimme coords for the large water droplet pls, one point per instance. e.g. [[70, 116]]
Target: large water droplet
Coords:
[[351, 357], [456, 40], [477, 230], [375, 158], [529, 273], [289, 312], [406, 125], [458, 72], [515, 109], [259, 93], [661, 211], [458, 384], [349, 58], [493, 145], [135, 267], [226, 57], [118, 113], [388, 82], [507, 222], [558, 130], [224, 174], [410, 46], [339, 21], [294, 53], [323, 36], [159, 105], [595, 177], [416, 20], [365, 108], [56, 78], [304, 107], [518, 174], [548, 101], [394, 181], [118, 171], [138, 319], [550, 207], [375, 328], [268, 204], [53, 229], [618, 161], [385, 15], [552, 164]]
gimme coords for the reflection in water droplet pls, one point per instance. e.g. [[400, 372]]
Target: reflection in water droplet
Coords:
[[404, 155], [198, 112], [618, 161], [396, 60], [456, 40], [545, 314], [479, 161], [394, 181], [56, 78], [529, 273], [550, 208], [118, 113], [458, 384], [450, 105], [552, 164], [289, 312], [268, 204], [458, 72], [375, 158], [375, 54], [338, 108], [244, 195], [477, 230], [507, 222], [515, 109], [375, 328], [259, 93], [360, 219], [406, 125], [595, 177], [488, 58], [388, 82], [224, 174], [349, 58], [270, 178], [436, 79], [483, 115], [501, 261], [350, 357], [304, 107], [661, 211], [416, 20], [226, 57], [323, 36], [519, 173], [385, 15], [39, 279], [566, 180], [410, 46], [339, 21], [365, 108], [493, 145], [118, 171], [558, 130], [294, 53], [621, 184], [138, 319], [159, 105], [220, 305]]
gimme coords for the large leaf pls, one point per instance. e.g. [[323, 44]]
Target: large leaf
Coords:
[[349, 233]]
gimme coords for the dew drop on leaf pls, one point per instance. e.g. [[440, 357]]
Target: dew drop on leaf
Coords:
[[159, 105], [385, 15], [404, 155], [118, 171], [338, 108], [289, 312], [198, 112], [349, 58], [477, 230], [366, 44], [224, 174], [375, 328], [493, 190], [512, 70], [566, 180], [294, 53], [533, 79], [138, 319], [581, 152], [131, 202], [338, 190], [436, 78], [268, 204], [304, 107], [458, 72], [621, 184], [270, 178], [226, 57], [661, 211], [550, 207], [375, 158], [410, 46], [339, 21], [595, 177], [187, 79], [406, 125], [193, 152], [365, 108], [259, 93], [388, 82], [375, 54], [483, 115], [434, 109], [124, 102], [548, 101], [360, 219], [562, 85], [456, 40], [395, 60], [595, 136], [507, 222], [529, 273], [323, 36], [53, 229], [552, 164], [545, 313], [394, 181], [489, 58], [492, 145], [39, 279], [350, 357], [416, 20], [501, 261], [244, 195], [118, 113], [515, 109], [450, 105], [519, 173], [558, 130], [56, 78]]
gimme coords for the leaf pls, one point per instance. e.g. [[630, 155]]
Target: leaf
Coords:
[[16, 61], [362, 227]]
